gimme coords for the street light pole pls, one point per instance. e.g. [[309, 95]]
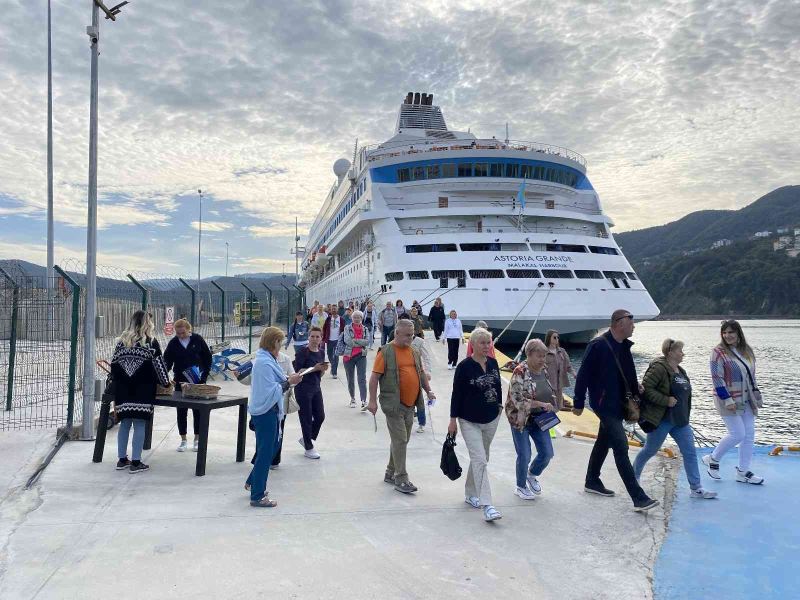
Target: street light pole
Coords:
[[199, 240], [226, 259], [93, 31], [50, 234]]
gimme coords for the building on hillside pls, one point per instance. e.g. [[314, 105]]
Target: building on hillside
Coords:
[[782, 230], [797, 232], [793, 252], [762, 234], [721, 243], [782, 243]]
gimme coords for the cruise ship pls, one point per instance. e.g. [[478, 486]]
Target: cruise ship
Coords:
[[504, 231]]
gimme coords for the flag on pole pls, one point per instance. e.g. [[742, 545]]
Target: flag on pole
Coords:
[[521, 194]]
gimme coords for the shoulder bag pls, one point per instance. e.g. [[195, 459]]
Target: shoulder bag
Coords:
[[449, 463], [630, 407], [756, 392]]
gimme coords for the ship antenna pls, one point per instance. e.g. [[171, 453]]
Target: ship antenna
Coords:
[[506, 132], [355, 153]]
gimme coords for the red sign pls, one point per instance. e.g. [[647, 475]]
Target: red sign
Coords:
[[169, 320]]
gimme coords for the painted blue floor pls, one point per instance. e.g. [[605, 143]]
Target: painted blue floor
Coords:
[[743, 545]]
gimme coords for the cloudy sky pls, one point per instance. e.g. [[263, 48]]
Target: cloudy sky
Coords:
[[677, 106]]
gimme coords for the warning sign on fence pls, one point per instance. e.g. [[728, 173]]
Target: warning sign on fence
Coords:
[[169, 320]]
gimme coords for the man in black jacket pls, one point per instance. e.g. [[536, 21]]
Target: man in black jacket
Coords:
[[600, 375], [184, 351]]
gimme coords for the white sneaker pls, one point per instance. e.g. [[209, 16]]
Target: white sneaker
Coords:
[[182, 447], [421, 429], [713, 466], [704, 494], [490, 513], [524, 493], [335, 376], [352, 402], [534, 485], [311, 453], [196, 445], [748, 477]]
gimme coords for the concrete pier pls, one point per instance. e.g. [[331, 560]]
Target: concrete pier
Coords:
[[88, 531]]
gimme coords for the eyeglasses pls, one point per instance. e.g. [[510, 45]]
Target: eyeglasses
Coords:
[[623, 317]]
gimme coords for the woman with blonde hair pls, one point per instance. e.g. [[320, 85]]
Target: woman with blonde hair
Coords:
[[737, 398], [558, 367], [665, 411], [266, 409], [184, 351], [136, 368]]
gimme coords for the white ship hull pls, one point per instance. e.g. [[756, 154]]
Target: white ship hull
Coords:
[[509, 233]]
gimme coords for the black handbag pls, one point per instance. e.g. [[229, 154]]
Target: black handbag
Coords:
[[449, 464]]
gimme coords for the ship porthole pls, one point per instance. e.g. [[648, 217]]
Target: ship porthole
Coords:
[[419, 232]]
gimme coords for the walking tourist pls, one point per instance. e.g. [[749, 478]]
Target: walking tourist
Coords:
[[529, 394], [665, 410], [340, 308], [348, 315], [737, 398], [386, 321], [606, 358], [475, 406], [331, 330], [355, 358], [558, 366], [370, 318], [266, 409], [308, 392], [419, 345], [318, 317], [419, 326], [298, 332], [398, 372], [184, 351], [481, 325], [137, 367], [453, 332], [437, 317], [400, 309]]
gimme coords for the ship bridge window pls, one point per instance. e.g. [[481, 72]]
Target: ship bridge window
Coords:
[[583, 274], [481, 170], [451, 274], [403, 175], [632, 276], [614, 274], [449, 170], [565, 248], [397, 276], [602, 250], [433, 172], [480, 247], [496, 170], [417, 248], [418, 173], [557, 273], [465, 169], [418, 275], [523, 273], [486, 274]]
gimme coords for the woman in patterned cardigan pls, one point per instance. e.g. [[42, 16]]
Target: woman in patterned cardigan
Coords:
[[136, 367], [737, 398]]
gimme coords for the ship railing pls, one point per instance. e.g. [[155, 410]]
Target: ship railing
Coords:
[[580, 207], [502, 228], [382, 151]]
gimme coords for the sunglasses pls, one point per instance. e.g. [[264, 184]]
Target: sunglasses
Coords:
[[623, 317]]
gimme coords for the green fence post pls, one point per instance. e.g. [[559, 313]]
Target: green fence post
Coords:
[[301, 298], [12, 344], [288, 309], [269, 296], [73, 344], [222, 311], [143, 290], [191, 289], [250, 316]]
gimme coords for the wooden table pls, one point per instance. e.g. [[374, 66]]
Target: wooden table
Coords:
[[204, 406]]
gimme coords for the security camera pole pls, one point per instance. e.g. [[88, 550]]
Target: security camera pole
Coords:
[[93, 31]]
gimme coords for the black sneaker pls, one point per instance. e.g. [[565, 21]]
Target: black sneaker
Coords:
[[388, 477], [123, 463], [405, 487], [645, 504], [598, 488], [138, 466]]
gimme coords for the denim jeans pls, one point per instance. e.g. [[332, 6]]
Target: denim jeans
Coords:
[[684, 437], [332, 358], [267, 432], [544, 452], [388, 332], [356, 368], [421, 418], [139, 428]]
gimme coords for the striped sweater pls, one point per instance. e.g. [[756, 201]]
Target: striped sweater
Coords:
[[730, 380]]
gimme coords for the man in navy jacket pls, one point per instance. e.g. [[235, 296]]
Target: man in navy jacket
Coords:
[[600, 375]]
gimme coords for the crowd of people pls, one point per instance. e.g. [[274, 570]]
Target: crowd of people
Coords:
[[401, 377]]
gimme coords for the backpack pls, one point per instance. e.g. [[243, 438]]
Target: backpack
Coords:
[[449, 463]]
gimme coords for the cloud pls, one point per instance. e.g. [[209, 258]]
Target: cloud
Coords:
[[212, 225], [678, 105]]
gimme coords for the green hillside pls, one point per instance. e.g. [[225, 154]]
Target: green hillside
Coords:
[[686, 276]]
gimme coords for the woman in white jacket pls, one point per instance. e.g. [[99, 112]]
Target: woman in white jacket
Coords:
[[453, 333]]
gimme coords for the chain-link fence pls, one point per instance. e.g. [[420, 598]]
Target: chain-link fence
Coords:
[[42, 329]]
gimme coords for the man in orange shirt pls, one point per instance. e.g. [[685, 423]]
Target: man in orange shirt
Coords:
[[398, 370]]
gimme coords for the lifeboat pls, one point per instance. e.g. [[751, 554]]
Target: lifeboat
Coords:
[[322, 256]]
